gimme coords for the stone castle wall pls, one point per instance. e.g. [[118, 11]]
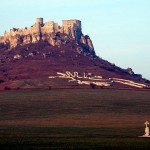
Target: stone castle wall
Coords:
[[1, 39], [43, 31]]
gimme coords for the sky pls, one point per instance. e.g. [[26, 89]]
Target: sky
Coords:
[[119, 29]]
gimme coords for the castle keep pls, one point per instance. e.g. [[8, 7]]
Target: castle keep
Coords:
[[46, 31]]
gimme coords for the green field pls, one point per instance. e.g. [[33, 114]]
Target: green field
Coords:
[[74, 119]]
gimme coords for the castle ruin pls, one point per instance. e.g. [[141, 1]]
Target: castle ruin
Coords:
[[46, 31]]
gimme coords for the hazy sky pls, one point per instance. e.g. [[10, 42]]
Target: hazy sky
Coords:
[[119, 29]]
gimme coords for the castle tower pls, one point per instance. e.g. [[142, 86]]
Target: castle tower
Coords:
[[39, 21], [38, 27], [74, 24]]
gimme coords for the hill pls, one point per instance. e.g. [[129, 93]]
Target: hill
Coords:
[[63, 55]]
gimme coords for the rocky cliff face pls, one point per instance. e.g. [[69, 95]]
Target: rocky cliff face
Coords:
[[54, 39]]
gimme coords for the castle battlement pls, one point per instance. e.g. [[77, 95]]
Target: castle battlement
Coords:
[[47, 27], [43, 31]]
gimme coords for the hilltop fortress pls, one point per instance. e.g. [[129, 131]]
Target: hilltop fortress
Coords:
[[70, 30]]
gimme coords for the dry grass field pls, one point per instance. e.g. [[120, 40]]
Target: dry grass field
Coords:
[[74, 119]]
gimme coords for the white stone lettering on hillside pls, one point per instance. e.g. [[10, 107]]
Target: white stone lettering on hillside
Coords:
[[130, 83], [89, 78]]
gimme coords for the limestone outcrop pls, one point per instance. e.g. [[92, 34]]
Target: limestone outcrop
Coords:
[[49, 31]]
